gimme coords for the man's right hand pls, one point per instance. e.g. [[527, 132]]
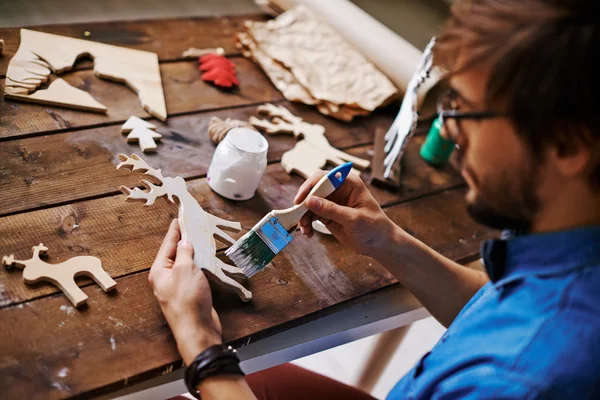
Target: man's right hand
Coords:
[[350, 213]]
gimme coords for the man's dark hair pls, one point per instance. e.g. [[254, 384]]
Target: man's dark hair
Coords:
[[545, 57]]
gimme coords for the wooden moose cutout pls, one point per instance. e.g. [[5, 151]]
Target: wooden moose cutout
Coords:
[[197, 226], [62, 275], [310, 154]]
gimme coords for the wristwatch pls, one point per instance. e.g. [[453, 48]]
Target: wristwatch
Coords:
[[216, 360]]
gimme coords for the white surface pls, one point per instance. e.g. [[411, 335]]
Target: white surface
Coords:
[[340, 363]]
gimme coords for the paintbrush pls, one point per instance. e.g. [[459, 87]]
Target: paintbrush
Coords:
[[253, 251]]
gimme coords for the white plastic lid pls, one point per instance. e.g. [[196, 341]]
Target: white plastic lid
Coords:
[[247, 140]]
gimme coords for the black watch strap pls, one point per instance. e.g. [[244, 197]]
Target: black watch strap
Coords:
[[215, 360]]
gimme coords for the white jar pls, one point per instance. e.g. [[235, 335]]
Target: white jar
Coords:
[[238, 164]]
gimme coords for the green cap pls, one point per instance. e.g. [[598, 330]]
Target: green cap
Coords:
[[436, 150]]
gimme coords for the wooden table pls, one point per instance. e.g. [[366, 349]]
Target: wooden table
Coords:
[[59, 186]]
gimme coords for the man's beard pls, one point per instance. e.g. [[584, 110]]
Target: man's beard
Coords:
[[507, 203]]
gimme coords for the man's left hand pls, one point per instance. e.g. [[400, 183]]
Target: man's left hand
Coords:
[[184, 296]]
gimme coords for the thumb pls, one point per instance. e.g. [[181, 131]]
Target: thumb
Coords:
[[185, 254], [324, 208]]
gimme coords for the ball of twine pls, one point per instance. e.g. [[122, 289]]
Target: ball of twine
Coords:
[[218, 128]]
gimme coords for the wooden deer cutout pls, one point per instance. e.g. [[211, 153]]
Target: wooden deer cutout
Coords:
[[197, 226], [62, 275], [312, 152]]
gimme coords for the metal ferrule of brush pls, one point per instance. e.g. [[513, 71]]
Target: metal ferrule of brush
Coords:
[[275, 236]]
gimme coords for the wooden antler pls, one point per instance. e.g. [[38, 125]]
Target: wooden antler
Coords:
[[281, 112], [152, 192], [9, 261], [134, 163], [39, 250], [282, 121], [276, 126]]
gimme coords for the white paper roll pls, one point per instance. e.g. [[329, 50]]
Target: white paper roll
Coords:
[[394, 56]]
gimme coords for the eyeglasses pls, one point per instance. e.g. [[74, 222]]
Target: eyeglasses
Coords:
[[448, 107]]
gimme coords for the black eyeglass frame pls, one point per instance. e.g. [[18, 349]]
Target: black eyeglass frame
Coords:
[[458, 115]]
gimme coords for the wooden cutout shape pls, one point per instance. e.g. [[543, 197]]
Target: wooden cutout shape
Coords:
[[312, 152], [197, 226], [63, 274], [59, 93], [193, 52], [136, 122], [41, 53], [145, 138], [142, 132]]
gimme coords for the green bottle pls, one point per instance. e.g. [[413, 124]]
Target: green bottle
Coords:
[[436, 150]]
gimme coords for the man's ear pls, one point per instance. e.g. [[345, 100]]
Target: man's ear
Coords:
[[571, 158]]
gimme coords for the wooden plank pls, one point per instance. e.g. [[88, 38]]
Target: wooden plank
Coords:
[[94, 226], [51, 351], [168, 38], [47, 170], [184, 91]]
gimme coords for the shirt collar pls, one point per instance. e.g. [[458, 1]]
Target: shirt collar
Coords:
[[543, 253]]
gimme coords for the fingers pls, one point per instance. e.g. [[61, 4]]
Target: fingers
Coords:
[[307, 186], [169, 244], [166, 254], [328, 210], [185, 255], [306, 220]]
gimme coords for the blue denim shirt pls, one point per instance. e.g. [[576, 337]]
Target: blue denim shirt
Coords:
[[533, 332]]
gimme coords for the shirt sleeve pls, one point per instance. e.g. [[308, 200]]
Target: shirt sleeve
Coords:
[[485, 383]]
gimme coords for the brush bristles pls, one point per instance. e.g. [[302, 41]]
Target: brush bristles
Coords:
[[250, 253]]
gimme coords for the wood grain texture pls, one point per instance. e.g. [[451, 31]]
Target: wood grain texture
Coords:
[[126, 236], [168, 38], [137, 343], [62, 275], [45, 170], [40, 53], [59, 185], [185, 92]]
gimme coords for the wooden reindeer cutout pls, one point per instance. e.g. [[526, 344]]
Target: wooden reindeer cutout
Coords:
[[312, 152], [62, 275], [197, 226]]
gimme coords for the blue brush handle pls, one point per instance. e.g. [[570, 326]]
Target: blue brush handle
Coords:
[[344, 170]]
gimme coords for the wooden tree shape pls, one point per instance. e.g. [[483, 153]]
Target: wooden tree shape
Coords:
[[41, 53], [197, 226], [62, 275], [312, 152], [218, 70], [142, 132]]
